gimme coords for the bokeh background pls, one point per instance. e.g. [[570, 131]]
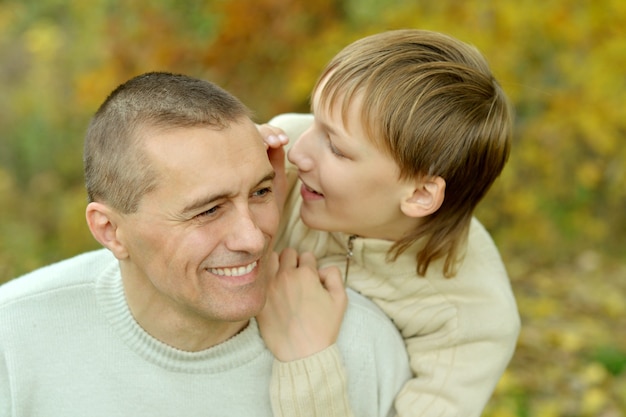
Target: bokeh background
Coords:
[[558, 212]]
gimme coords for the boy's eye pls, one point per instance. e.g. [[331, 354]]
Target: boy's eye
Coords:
[[334, 149]]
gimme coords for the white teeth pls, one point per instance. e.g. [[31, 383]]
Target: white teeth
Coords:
[[233, 272]]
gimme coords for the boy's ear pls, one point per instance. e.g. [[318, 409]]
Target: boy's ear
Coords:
[[103, 224], [426, 197]]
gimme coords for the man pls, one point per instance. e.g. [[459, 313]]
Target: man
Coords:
[[160, 322]]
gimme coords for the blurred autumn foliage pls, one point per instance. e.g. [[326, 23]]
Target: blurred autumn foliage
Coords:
[[558, 212]]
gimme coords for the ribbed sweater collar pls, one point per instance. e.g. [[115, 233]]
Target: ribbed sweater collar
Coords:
[[236, 351]]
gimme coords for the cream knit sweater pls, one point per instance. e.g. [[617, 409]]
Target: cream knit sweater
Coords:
[[460, 332], [69, 346]]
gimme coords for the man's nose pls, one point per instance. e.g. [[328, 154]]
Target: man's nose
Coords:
[[245, 235]]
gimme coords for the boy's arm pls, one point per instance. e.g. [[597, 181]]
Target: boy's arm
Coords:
[[313, 386], [360, 375], [460, 349], [300, 324], [454, 381]]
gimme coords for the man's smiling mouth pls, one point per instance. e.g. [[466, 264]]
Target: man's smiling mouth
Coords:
[[234, 272]]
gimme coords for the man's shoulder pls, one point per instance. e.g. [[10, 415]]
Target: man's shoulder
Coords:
[[372, 346], [365, 318], [80, 269]]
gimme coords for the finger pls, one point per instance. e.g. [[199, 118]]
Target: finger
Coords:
[[278, 139], [307, 259], [269, 135], [277, 159], [331, 279], [272, 273], [273, 264], [273, 137], [333, 282], [288, 258]]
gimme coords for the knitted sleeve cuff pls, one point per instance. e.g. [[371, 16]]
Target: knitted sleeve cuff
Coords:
[[313, 386]]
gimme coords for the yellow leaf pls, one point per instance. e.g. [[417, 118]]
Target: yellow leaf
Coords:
[[594, 374], [593, 401]]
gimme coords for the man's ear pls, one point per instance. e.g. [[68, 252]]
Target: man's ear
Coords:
[[426, 197], [103, 224]]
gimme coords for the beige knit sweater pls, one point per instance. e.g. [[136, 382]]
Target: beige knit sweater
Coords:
[[460, 332]]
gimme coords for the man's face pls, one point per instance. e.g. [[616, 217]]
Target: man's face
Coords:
[[199, 243]]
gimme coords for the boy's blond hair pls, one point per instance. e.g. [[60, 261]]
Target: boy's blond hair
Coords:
[[431, 102]]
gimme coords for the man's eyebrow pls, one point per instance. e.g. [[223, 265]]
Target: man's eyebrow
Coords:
[[268, 177], [208, 200]]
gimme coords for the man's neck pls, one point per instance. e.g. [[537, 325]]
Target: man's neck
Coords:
[[182, 329]]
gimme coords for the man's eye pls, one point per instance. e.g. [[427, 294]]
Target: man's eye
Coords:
[[263, 192], [209, 212]]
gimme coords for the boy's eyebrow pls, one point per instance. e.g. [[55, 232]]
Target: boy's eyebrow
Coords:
[[205, 201], [321, 123], [327, 128]]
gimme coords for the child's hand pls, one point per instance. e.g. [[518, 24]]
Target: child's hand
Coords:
[[304, 308], [274, 139]]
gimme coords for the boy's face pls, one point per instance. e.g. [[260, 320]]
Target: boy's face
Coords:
[[349, 185]]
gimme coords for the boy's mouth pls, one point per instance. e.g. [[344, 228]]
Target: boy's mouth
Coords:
[[311, 190]]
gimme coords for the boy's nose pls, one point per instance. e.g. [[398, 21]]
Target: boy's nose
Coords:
[[300, 154]]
